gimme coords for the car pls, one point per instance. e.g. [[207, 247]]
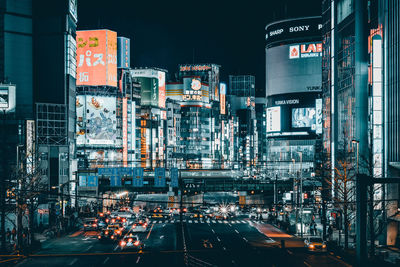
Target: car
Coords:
[[139, 227], [196, 215], [315, 244], [105, 235], [131, 242], [115, 229], [158, 213], [90, 225]]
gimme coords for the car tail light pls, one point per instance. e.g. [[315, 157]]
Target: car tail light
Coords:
[[101, 214], [136, 243], [118, 217], [323, 246], [145, 225], [124, 220], [107, 220], [99, 236], [85, 225], [130, 240], [122, 243], [106, 232], [94, 225], [112, 237]]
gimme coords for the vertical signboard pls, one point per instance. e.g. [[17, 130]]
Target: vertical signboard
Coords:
[[137, 177], [124, 55], [30, 146], [96, 56], [161, 89], [222, 94], [159, 177], [174, 175], [318, 111], [273, 119], [125, 132]]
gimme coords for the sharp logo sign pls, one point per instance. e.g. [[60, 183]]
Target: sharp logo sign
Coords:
[[305, 50]]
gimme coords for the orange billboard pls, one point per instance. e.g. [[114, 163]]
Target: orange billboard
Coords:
[[96, 57]]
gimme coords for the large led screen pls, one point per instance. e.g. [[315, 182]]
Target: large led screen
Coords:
[[303, 117], [101, 122], [293, 68], [274, 119]]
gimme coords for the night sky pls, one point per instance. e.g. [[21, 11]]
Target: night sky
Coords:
[[167, 33]]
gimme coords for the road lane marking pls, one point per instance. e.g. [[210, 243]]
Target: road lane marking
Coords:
[[73, 261], [196, 222], [212, 230], [105, 261], [89, 248], [290, 252], [190, 221], [237, 231], [138, 259], [307, 264], [224, 248], [225, 221], [244, 238], [213, 221], [148, 235], [218, 239]]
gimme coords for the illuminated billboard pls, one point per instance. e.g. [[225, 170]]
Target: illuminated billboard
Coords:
[[7, 98], [294, 68], [274, 119], [96, 56], [161, 89], [125, 131], [303, 117], [95, 120], [153, 86], [101, 121], [124, 52], [222, 102]]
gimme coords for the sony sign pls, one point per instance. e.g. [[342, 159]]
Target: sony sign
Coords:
[[299, 28]]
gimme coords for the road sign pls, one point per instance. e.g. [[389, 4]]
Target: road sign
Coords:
[[159, 177], [92, 180], [174, 173], [115, 180], [137, 177]]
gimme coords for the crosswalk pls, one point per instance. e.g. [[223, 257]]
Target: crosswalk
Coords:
[[191, 221]]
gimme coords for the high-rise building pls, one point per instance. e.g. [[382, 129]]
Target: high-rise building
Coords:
[[293, 87], [242, 100], [197, 89]]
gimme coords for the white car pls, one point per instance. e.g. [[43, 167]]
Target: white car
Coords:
[[139, 227], [131, 242]]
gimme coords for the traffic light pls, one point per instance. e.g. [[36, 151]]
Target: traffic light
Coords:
[[305, 195]]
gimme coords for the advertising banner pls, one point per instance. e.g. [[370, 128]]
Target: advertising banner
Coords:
[[115, 180], [96, 57], [161, 89], [174, 175], [137, 177], [101, 121], [159, 177], [92, 180], [274, 119]]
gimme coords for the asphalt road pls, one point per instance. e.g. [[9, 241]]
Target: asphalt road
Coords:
[[236, 242]]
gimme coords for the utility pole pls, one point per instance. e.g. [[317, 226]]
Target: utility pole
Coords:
[[3, 184]]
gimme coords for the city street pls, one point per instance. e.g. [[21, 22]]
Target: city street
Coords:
[[235, 242]]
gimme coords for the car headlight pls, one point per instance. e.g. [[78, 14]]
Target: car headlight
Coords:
[[323, 246], [311, 246]]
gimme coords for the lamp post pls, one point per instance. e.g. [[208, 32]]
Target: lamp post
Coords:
[[301, 193]]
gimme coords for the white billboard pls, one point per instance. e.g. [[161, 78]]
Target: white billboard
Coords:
[[274, 119]]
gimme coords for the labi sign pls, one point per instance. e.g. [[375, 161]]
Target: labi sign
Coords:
[[305, 50]]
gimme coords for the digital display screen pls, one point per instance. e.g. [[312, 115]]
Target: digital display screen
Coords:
[[303, 118]]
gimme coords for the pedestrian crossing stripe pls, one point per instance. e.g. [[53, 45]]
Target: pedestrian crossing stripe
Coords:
[[172, 221]]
